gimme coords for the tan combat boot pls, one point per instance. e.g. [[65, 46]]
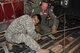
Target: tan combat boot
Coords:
[[10, 46], [42, 51]]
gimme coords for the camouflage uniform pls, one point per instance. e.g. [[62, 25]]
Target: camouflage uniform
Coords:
[[44, 26], [30, 4], [22, 30]]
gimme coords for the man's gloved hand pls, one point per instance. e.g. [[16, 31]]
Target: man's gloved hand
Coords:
[[37, 29], [42, 51], [38, 37], [54, 30]]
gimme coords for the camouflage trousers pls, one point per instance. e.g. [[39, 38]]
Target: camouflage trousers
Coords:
[[47, 26], [28, 40]]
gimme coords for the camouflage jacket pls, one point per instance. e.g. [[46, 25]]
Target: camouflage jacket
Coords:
[[46, 13], [20, 25], [30, 4]]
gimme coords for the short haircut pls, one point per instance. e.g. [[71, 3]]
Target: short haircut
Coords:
[[38, 16], [43, 2]]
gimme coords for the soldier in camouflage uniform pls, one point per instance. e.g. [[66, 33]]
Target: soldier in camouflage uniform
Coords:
[[30, 4], [44, 11], [22, 30]]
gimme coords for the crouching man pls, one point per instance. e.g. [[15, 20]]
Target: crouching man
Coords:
[[22, 29]]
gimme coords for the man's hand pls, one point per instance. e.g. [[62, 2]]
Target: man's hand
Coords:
[[32, 10], [37, 29], [38, 37], [54, 30]]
